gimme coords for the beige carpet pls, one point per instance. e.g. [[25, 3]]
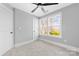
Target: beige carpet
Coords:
[[40, 48]]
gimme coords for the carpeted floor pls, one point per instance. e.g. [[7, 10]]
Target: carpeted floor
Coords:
[[40, 48]]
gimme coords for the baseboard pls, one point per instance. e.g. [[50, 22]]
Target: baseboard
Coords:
[[23, 43], [17, 45], [5, 51], [62, 45]]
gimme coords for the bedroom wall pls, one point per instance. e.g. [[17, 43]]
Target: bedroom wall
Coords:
[[23, 27], [70, 28]]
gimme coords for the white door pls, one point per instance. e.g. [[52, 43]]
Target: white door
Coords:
[[35, 28], [6, 27]]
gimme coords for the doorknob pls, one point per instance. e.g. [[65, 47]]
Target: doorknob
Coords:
[[11, 32]]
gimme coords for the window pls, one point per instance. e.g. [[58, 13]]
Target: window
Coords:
[[51, 26]]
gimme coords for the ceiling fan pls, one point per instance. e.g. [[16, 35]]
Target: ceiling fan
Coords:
[[42, 4]]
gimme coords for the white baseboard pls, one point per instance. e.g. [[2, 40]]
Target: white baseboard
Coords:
[[5, 51], [23, 43], [63, 45]]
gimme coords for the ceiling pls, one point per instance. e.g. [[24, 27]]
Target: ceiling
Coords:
[[28, 7]]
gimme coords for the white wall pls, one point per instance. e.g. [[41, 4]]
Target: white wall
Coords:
[[26, 27], [6, 17], [23, 27]]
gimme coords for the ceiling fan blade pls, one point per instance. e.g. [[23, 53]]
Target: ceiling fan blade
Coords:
[[34, 9], [46, 4], [43, 9], [37, 3]]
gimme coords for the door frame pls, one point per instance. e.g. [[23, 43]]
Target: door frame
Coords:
[[13, 27]]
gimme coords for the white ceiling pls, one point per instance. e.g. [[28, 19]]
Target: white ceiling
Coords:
[[28, 7]]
